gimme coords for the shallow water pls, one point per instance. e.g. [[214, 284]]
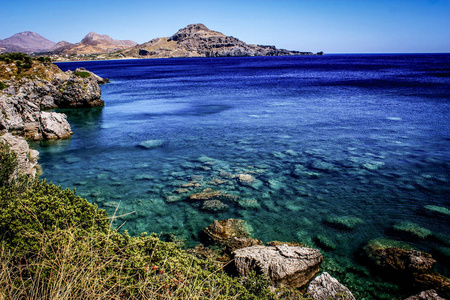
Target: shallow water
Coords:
[[362, 140]]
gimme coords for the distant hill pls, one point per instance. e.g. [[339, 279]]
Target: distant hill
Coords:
[[196, 40], [26, 42], [92, 43]]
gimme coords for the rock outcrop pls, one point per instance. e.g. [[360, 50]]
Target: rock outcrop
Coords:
[[26, 158], [326, 287], [44, 87], [284, 265], [196, 40]]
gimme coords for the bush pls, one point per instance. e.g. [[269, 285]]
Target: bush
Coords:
[[3, 86], [8, 163], [83, 74]]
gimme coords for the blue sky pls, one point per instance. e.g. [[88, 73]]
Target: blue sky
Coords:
[[332, 26]]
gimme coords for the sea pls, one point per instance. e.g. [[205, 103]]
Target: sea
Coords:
[[331, 151]]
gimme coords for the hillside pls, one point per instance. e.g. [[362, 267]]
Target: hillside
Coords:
[[92, 43], [26, 42]]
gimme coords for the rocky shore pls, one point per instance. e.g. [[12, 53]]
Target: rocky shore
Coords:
[[26, 94]]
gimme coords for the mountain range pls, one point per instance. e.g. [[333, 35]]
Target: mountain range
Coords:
[[195, 40]]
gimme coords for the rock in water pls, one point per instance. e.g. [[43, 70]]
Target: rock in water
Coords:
[[223, 232], [399, 260], [55, 126], [426, 295], [284, 265], [325, 287]]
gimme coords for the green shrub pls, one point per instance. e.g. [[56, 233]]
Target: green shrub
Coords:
[[44, 59], [3, 86], [83, 74], [44, 207], [8, 164]]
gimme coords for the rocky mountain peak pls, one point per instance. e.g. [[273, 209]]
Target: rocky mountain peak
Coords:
[[93, 37]]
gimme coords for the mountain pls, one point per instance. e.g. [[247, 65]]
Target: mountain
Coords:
[[27, 42], [92, 43], [196, 40]]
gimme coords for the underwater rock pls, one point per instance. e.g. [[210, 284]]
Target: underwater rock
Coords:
[[374, 165], [245, 178], [223, 232], [326, 287], [214, 205], [192, 184], [426, 295], [399, 260], [412, 229], [249, 203], [151, 144], [284, 265], [325, 242], [344, 223], [210, 194], [438, 209], [323, 166]]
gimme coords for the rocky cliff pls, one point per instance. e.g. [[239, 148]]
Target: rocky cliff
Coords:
[[26, 93], [197, 40]]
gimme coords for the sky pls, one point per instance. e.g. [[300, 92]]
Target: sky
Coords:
[[332, 26]]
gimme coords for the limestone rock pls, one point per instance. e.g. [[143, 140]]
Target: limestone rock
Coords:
[[426, 295], [326, 287], [55, 126], [26, 158], [223, 232], [284, 265]]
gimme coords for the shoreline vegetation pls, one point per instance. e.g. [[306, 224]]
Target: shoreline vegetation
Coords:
[[57, 245]]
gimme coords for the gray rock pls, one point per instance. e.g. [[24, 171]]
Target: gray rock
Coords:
[[55, 125], [426, 295], [284, 265], [326, 287]]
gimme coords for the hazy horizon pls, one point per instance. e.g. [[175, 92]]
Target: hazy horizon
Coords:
[[348, 26]]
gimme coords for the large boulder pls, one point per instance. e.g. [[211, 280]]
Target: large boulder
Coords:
[[26, 158], [284, 265], [326, 287], [55, 126]]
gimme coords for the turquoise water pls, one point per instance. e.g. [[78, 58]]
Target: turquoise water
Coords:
[[341, 149]]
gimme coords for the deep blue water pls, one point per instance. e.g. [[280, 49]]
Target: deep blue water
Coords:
[[357, 138]]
